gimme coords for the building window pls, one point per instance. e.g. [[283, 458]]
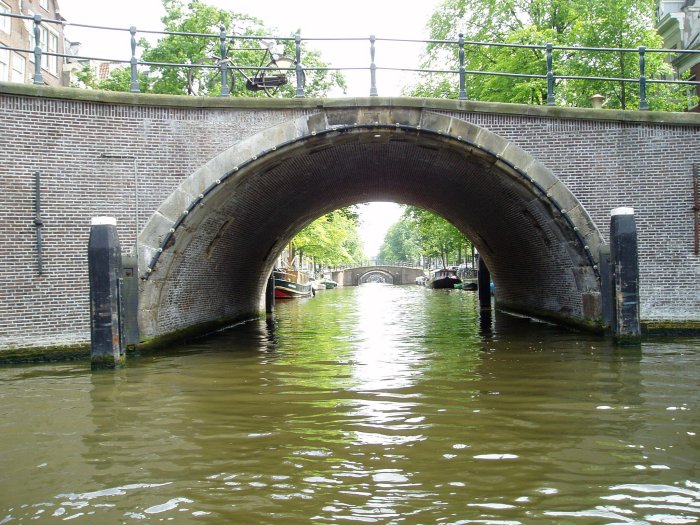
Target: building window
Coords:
[[44, 4], [5, 21], [51, 63], [19, 65], [4, 65]]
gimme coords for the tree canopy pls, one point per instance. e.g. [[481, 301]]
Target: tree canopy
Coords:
[[400, 243], [419, 233], [331, 240], [563, 23]]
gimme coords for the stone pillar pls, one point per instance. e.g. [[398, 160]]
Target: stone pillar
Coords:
[[105, 269], [625, 276], [484, 280]]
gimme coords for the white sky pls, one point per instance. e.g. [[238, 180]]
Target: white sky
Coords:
[[402, 19]]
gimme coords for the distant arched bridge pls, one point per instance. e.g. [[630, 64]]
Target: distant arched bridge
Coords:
[[385, 273]]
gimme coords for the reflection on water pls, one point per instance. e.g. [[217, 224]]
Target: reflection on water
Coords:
[[377, 404]]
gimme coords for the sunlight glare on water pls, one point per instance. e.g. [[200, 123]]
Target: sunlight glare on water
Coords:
[[373, 404]]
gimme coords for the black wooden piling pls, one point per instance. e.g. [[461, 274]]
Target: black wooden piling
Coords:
[[105, 269], [270, 294], [484, 280], [625, 276]]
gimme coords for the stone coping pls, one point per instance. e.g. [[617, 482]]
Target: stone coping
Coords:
[[184, 102]]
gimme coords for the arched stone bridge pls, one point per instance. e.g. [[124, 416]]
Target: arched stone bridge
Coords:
[[207, 192], [388, 274]]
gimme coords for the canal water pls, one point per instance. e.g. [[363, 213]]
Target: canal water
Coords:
[[377, 404]]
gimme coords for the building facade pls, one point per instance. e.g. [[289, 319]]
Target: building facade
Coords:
[[17, 42], [679, 25]]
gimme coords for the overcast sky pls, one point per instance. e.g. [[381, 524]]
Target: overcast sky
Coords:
[[399, 19], [387, 18]]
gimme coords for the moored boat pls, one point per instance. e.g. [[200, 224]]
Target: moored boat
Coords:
[[443, 278], [288, 287], [328, 283], [421, 280]]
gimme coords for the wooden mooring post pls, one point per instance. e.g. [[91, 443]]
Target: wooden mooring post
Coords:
[[625, 276], [105, 270], [484, 285]]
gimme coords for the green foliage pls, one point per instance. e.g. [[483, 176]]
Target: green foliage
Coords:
[[119, 79], [564, 23], [203, 53], [420, 232], [331, 240], [400, 243]]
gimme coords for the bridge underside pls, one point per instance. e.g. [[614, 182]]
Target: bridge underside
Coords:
[[210, 265], [376, 277]]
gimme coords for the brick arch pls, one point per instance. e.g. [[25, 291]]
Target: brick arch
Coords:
[[205, 254]]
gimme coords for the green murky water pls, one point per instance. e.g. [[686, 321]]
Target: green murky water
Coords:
[[377, 404]]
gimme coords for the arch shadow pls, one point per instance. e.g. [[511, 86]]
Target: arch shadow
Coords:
[[386, 277]]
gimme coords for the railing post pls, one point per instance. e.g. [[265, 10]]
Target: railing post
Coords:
[[372, 68], [462, 79], [37, 50], [299, 70], [643, 103], [550, 77], [223, 66], [134, 63]]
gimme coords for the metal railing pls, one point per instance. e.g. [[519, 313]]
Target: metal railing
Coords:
[[369, 263], [461, 73]]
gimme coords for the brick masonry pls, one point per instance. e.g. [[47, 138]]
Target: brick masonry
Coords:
[[124, 157]]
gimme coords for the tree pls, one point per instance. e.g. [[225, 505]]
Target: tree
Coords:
[[563, 23], [421, 232], [400, 243], [203, 50], [330, 240], [119, 79]]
